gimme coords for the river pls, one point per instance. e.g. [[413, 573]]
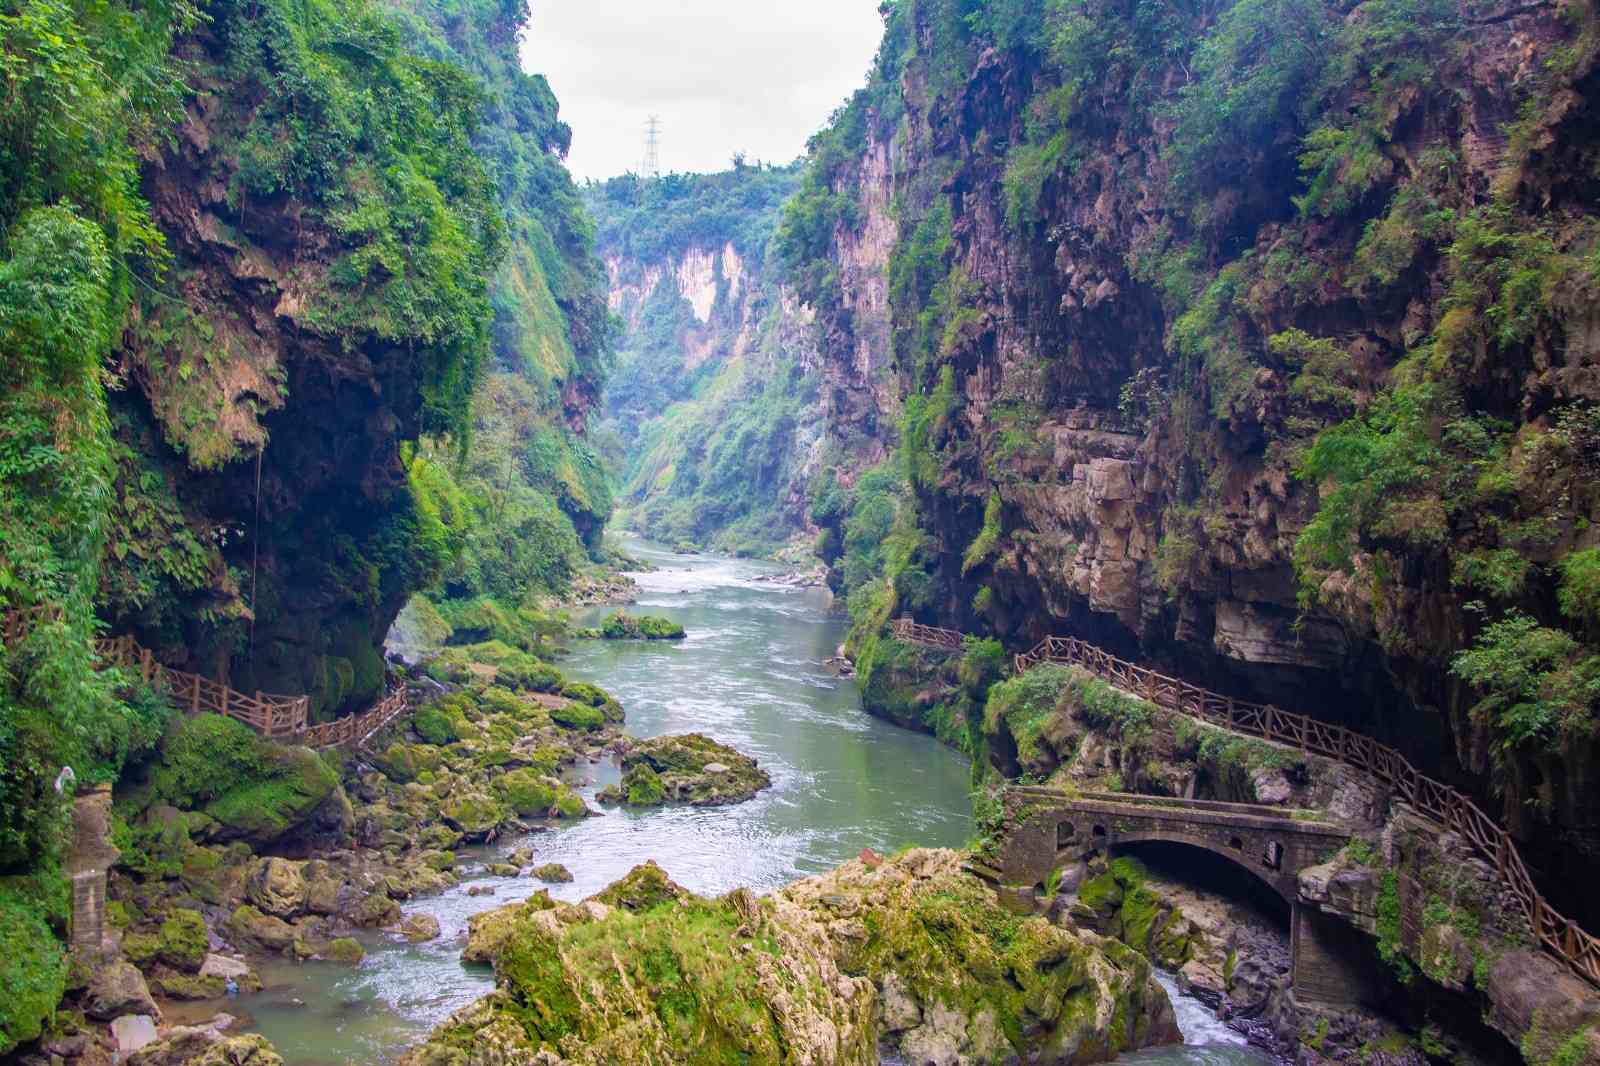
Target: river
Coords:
[[751, 674]]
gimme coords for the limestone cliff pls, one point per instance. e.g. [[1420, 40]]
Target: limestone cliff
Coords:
[[712, 411], [1254, 341], [342, 273]]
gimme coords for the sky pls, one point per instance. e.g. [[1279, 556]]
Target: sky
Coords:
[[725, 76]]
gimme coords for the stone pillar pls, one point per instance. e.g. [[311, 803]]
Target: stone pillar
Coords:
[[92, 854], [1324, 968], [88, 910]]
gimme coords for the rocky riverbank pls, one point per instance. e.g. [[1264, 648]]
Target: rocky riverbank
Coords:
[[234, 850]]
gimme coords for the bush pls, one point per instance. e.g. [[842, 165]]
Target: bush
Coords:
[[1580, 585]]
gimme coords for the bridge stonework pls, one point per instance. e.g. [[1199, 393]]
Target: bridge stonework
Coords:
[[1046, 829]]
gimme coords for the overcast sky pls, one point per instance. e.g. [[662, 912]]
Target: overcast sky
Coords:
[[757, 76]]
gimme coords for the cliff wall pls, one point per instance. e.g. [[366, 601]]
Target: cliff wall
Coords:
[[713, 411], [1253, 340]]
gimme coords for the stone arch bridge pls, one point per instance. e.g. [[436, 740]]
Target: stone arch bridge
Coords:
[[1046, 829]]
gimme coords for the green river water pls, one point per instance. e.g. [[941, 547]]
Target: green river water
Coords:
[[750, 674]]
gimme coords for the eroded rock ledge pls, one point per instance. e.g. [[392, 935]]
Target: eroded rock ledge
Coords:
[[910, 951]]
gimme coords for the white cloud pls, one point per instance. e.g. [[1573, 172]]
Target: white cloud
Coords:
[[725, 76]]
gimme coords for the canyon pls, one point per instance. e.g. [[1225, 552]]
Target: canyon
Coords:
[[1245, 345]]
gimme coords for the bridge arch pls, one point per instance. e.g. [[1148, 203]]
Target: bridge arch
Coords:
[[1270, 878]]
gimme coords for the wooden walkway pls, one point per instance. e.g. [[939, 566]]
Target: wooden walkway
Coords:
[[1560, 936], [284, 718]]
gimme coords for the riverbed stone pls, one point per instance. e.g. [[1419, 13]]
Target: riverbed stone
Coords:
[[688, 768], [249, 928], [418, 928], [552, 873], [277, 887], [118, 988], [132, 1032]]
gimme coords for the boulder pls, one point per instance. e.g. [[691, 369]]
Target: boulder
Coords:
[[132, 1032], [552, 873], [488, 931], [420, 927], [206, 1046], [343, 949], [687, 768], [949, 974], [118, 988], [278, 887], [252, 930]]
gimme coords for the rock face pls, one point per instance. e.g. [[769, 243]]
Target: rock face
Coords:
[[1105, 365], [912, 950], [689, 768], [715, 392]]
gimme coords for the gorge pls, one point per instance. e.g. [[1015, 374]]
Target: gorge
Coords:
[[1129, 486]]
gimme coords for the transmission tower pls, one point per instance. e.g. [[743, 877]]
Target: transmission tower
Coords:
[[651, 167]]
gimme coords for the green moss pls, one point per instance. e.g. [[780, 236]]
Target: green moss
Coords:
[[433, 725], [528, 792], [578, 715], [344, 949], [183, 941], [642, 786], [619, 625], [1390, 948], [33, 967]]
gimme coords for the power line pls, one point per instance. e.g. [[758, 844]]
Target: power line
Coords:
[[651, 167]]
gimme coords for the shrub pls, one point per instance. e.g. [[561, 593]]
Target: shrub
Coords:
[[1580, 585], [1539, 683]]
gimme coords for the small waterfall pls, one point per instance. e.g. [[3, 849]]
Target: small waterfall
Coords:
[[1196, 1021]]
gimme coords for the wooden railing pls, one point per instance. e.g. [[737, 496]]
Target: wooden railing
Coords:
[[356, 728], [270, 715], [928, 636], [278, 717], [1561, 936]]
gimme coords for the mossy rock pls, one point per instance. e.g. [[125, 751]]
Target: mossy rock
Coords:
[[344, 949], [640, 787], [594, 696], [687, 768], [265, 810], [487, 931], [577, 715], [183, 941], [530, 793], [645, 886], [434, 726], [402, 762], [473, 814], [551, 873], [619, 625], [189, 985]]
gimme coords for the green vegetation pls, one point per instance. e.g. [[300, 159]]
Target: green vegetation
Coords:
[[706, 417], [619, 625]]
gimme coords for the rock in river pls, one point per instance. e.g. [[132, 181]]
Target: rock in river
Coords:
[[687, 768]]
